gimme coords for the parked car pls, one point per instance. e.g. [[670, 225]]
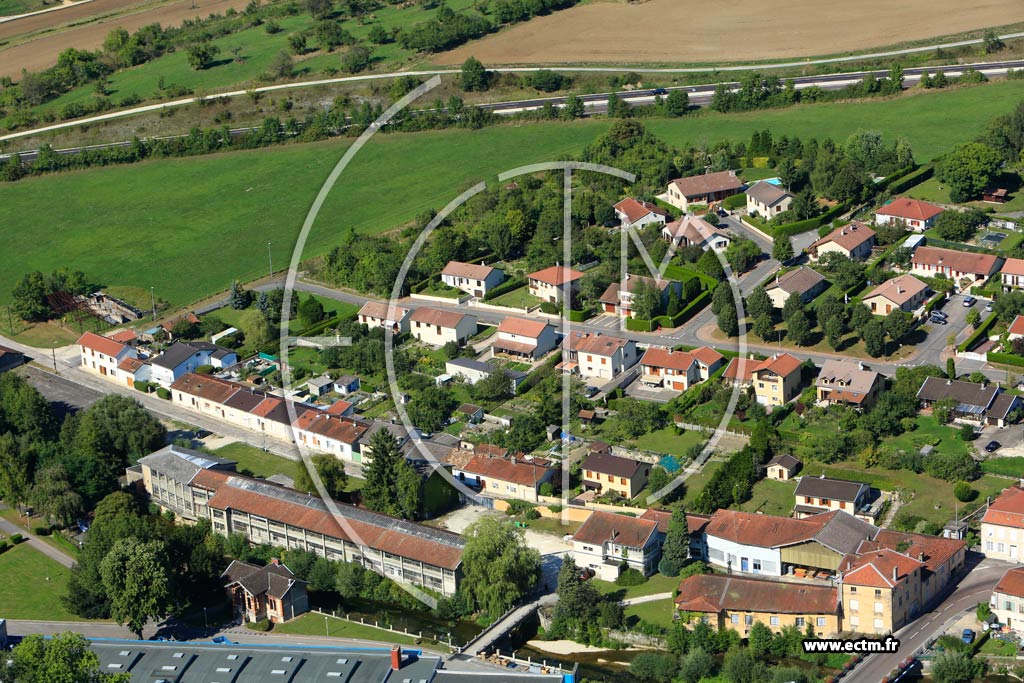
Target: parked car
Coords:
[[938, 319], [968, 636], [590, 392], [659, 91], [941, 314], [969, 301], [988, 306], [992, 446]]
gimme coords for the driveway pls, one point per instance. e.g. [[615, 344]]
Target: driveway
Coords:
[[545, 544], [1011, 440], [931, 348]]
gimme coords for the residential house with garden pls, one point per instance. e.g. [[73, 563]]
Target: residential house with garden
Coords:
[[133, 370], [912, 214], [1002, 526], [385, 316], [853, 240], [737, 602], [1015, 330], [593, 355], [437, 327], [271, 592], [1007, 600], [607, 541], [101, 355], [619, 297], [693, 231], [507, 477], [636, 213], [678, 370], [802, 281], [982, 403], [776, 380], [695, 524], [965, 269], [1012, 274], [902, 293], [553, 283], [472, 278], [181, 358], [782, 467], [472, 371], [604, 473], [815, 495], [849, 383], [335, 434], [704, 189], [524, 339], [767, 200]]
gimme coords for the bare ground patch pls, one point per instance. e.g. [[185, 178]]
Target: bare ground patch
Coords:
[[694, 31]]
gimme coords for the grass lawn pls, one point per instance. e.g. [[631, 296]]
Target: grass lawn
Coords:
[[695, 484], [666, 440], [657, 612], [771, 497], [56, 540], [313, 625], [258, 461], [242, 203], [1010, 467], [932, 190], [517, 298], [553, 526], [945, 439], [657, 583], [34, 585], [1000, 648]]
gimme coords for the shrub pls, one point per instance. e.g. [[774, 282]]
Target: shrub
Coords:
[[262, 625], [630, 577], [141, 386], [3, 545], [41, 530], [549, 307], [16, 539], [163, 393], [963, 491], [204, 370], [532, 513], [555, 508], [516, 507], [966, 433], [547, 489]]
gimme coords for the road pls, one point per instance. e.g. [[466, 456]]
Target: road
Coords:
[[974, 588], [596, 103]]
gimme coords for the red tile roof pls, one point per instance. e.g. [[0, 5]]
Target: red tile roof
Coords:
[[505, 470], [435, 316], [522, 327], [879, 569], [103, 345], [1007, 509], [849, 237], [1013, 266], [961, 261], [594, 343], [602, 527], [764, 531], [339, 408], [344, 429], [667, 358], [933, 551], [694, 522], [910, 209], [124, 336], [707, 355], [1012, 583], [474, 271], [635, 209], [781, 364], [714, 593], [211, 480], [382, 310], [898, 290], [556, 275], [206, 387], [131, 364]]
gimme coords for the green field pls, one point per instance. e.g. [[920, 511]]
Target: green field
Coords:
[[657, 612], [657, 583], [259, 462], [771, 497], [190, 238], [314, 625], [666, 440], [1010, 467], [33, 585], [932, 190]]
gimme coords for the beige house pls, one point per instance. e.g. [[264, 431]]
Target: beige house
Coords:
[[606, 541], [678, 370], [472, 278], [767, 200], [853, 240], [550, 284], [911, 213], [776, 380], [604, 472], [1007, 601], [815, 495], [1002, 527], [101, 355], [593, 355], [783, 467], [693, 231], [702, 189], [802, 281], [1012, 274], [504, 477], [903, 293], [526, 339], [618, 297], [963, 268], [438, 327], [844, 382], [384, 315]]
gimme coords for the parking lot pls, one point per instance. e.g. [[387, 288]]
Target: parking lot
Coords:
[[931, 347]]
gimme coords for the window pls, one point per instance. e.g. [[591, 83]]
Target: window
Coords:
[[878, 608], [774, 621], [988, 545], [734, 618], [611, 479], [748, 620], [757, 565], [622, 480], [1001, 547], [821, 621], [878, 623], [853, 589], [854, 605], [1008, 605], [801, 622], [878, 592]]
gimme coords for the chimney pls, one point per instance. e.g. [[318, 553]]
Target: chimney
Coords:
[[895, 576], [920, 557], [274, 562], [396, 657]]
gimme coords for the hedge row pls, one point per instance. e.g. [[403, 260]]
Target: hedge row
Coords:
[[902, 183], [1004, 358], [539, 373], [665, 321], [575, 316], [734, 202], [505, 287], [934, 301], [978, 333], [790, 229]]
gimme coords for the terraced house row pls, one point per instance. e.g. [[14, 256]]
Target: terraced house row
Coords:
[[196, 486]]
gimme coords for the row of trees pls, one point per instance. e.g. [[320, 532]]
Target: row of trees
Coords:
[[32, 296]]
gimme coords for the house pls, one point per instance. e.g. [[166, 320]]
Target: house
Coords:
[[1007, 601], [126, 336], [327, 432], [1002, 526], [783, 467], [635, 213], [168, 325], [101, 355], [474, 279], [551, 284], [678, 370], [618, 297], [318, 386], [802, 281], [272, 592], [955, 265], [133, 370], [473, 414], [605, 472], [385, 316], [911, 213], [702, 189], [776, 380], [597, 356], [995, 195], [853, 240], [767, 200], [902, 293], [738, 602], [181, 358], [815, 495], [525, 339], [473, 371], [1012, 274], [983, 403], [436, 327], [692, 231], [844, 382], [346, 384], [341, 408], [10, 359], [504, 478], [606, 542]]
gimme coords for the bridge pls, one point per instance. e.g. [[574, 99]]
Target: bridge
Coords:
[[486, 639]]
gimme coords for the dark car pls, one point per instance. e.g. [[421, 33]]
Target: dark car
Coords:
[[992, 446], [659, 91], [941, 314], [590, 392], [968, 636], [938, 319]]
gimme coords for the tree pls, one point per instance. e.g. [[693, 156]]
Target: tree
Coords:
[[676, 548], [993, 43], [297, 43], [764, 327], [381, 473], [53, 497], [137, 583], [759, 303], [956, 667], [973, 317], [200, 56], [62, 658], [281, 67], [319, 9], [255, 327], [782, 249], [739, 666], [357, 58], [652, 667], [709, 264], [114, 433], [959, 226], [696, 665], [473, 76], [722, 299], [805, 205], [646, 300], [728, 323], [798, 328], [498, 567], [311, 311], [29, 298], [574, 107], [794, 304], [874, 338], [431, 407], [951, 368], [968, 169], [492, 388], [239, 298], [675, 303], [833, 328], [897, 325], [330, 34], [963, 492], [860, 316], [677, 103], [760, 640], [741, 254], [331, 472]]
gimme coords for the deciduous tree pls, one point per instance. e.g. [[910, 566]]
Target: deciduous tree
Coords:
[[137, 583], [498, 566]]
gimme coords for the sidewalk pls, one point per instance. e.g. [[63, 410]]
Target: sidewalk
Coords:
[[34, 541]]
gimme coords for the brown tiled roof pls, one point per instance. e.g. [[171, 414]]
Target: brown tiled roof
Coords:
[[344, 429], [962, 261], [667, 358], [1012, 583], [1017, 326], [785, 460], [602, 527], [876, 569], [339, 408], [605, 463], [380, 310], [435, 316], [898, 290], [697, 185], [849, 236], [766, 193], [124, 336], [505, 470], [747, 528], [522, 327], [594, 343], [206, 387], [797, 281], [781, 364], [693, 229], [967, 393], [694, 522], [847, 377], [556, 275], [1007, 509], [100, 344], [707, 355], [635, 209], [714, 593], [1013, 266], [130, 364], [910, 209], [211, 480], [933, 551], [473, 271]]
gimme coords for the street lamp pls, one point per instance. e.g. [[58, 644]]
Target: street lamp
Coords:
[[327, 628], [205, 620], [270, 260]]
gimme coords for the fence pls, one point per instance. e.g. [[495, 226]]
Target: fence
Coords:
[[376, 624]]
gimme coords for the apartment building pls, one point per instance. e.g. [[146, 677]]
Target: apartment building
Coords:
[[1002, 527], [597, 356]]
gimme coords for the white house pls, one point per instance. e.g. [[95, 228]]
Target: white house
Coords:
[[102, 355], [1002, 527], [635, 213], [912, 213], [1007, 601], [692, 231], [384, 315], [550, 284], [472, 278], [767, 200], [472, 371], [607, 540], [702, 189], [181, 358], [528, 339], [437, 327], [597, 356], [327, 433]]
